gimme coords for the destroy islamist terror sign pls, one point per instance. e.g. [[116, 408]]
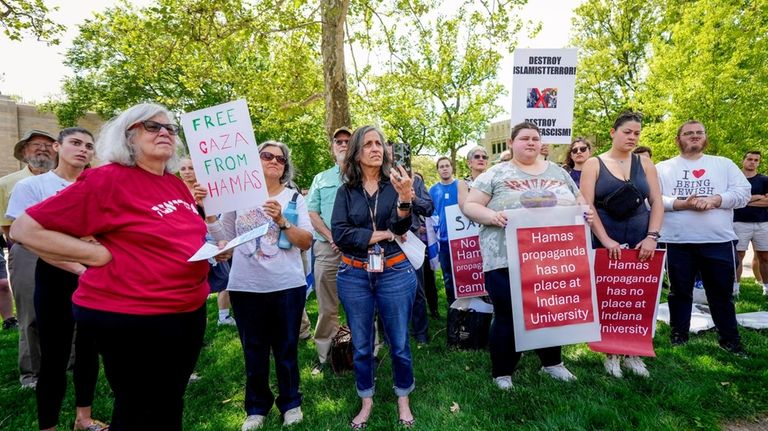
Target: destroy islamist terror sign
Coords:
[[543, 85], [226, 157]]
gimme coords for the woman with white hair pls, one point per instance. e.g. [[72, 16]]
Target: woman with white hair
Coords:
[[139, 297]]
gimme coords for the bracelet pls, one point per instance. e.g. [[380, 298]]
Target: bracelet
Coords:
[[654, 234]]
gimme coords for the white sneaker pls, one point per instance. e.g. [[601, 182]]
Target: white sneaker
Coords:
[[503, 382], [229, 320], [253, 422], [636, 365], [293, 416], [612, 365], [193, 378], [559, 372]]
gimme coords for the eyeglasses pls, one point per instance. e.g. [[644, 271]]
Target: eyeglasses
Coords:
[[480, 156], [696, 132], [268, 157], [341, 141], [576, 150], [154, 127], [36, 145]]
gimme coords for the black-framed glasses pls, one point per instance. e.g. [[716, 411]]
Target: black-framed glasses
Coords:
[[576, 150], [341, 141], [480, 156], [694, 132], [154, 127], [268, 157]]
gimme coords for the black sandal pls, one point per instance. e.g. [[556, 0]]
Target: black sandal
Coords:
[[360, 426], [406, 424]]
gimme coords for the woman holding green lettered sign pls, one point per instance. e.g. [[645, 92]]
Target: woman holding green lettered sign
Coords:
[[267, 288]]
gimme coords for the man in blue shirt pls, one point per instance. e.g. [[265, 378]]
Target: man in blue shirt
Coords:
[[444, 194], [321, 197]]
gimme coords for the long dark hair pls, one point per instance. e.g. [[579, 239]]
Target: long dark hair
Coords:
[[351, 170]]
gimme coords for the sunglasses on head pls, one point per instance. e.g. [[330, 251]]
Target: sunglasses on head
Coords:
[[154, 127], [480, 156], [267, 157], [576, 150]]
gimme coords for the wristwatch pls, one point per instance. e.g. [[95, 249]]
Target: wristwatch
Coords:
[[287, 225], [403, 206]]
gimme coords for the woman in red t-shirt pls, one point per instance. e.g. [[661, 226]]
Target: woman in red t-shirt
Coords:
[[143, 301]]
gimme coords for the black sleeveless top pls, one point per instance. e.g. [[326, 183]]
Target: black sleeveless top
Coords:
[[635, 228]]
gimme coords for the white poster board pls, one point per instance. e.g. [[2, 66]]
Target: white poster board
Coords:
[[551, 278], [466, 260], [543, 87], [225, 156]]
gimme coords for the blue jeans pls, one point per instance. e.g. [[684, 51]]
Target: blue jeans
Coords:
[[270, 321], [716, 262], [391, 294], [501, 343], [445, 266]]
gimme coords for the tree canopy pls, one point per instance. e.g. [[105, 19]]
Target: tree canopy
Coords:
[[21, 17]]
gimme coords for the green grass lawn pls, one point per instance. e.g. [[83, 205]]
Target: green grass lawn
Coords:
[[697, 386]]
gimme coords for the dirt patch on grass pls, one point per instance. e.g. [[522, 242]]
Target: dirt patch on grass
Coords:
[[759, 424]]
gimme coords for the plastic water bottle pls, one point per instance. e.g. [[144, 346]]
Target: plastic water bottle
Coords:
[[292, 216]]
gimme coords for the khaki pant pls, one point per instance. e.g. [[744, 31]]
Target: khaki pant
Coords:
[[21, 266], [326, 266]]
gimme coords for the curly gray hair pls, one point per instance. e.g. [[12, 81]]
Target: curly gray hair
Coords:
[[115, 143]]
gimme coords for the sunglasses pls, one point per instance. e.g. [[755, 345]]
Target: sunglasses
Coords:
[[341, 141], [576, 150], [154, 127], [480, 156], [268, 157]]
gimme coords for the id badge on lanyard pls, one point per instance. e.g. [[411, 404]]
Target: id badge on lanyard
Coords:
[[375, 259], [375, 252]]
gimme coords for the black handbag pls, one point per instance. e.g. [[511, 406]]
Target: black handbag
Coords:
[[468, 329], [342, 351], [624, 201]]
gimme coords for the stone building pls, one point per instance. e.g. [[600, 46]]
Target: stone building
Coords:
[[16, 118]]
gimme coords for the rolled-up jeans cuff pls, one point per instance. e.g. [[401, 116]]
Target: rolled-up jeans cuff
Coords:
[[404, 392], [366, 393]]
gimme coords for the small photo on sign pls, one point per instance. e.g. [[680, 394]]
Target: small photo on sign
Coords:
[[542, 98]]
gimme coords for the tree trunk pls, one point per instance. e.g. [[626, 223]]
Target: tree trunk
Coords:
[[334, 14]]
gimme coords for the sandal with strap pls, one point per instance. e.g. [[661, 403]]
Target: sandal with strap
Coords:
[[406, 423], [356, 426], [94, 426]]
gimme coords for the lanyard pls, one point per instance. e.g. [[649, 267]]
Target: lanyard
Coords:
[[375, 207]]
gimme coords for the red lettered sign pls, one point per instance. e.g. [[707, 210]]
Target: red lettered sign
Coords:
[[627, 293], [555, 276]]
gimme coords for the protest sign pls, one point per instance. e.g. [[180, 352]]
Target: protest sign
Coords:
[[225, 156], [627, 293], [466, 260], [543, 84], [550, 271]]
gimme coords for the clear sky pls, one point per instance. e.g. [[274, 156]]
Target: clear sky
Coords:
[[34, 71]]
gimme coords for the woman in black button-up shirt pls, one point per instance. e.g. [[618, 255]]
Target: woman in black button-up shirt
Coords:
[[371, 208]]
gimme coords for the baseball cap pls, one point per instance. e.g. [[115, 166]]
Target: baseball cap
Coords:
[[342, 129]]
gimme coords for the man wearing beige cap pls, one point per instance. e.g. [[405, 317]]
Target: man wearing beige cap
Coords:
[[36, 150], [322, 195]]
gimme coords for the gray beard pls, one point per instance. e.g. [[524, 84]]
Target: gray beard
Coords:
[[41, 163]]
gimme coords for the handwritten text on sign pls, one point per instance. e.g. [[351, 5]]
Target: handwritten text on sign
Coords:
[[225, 155], [555, 276], [466, 260], [627, 293]]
